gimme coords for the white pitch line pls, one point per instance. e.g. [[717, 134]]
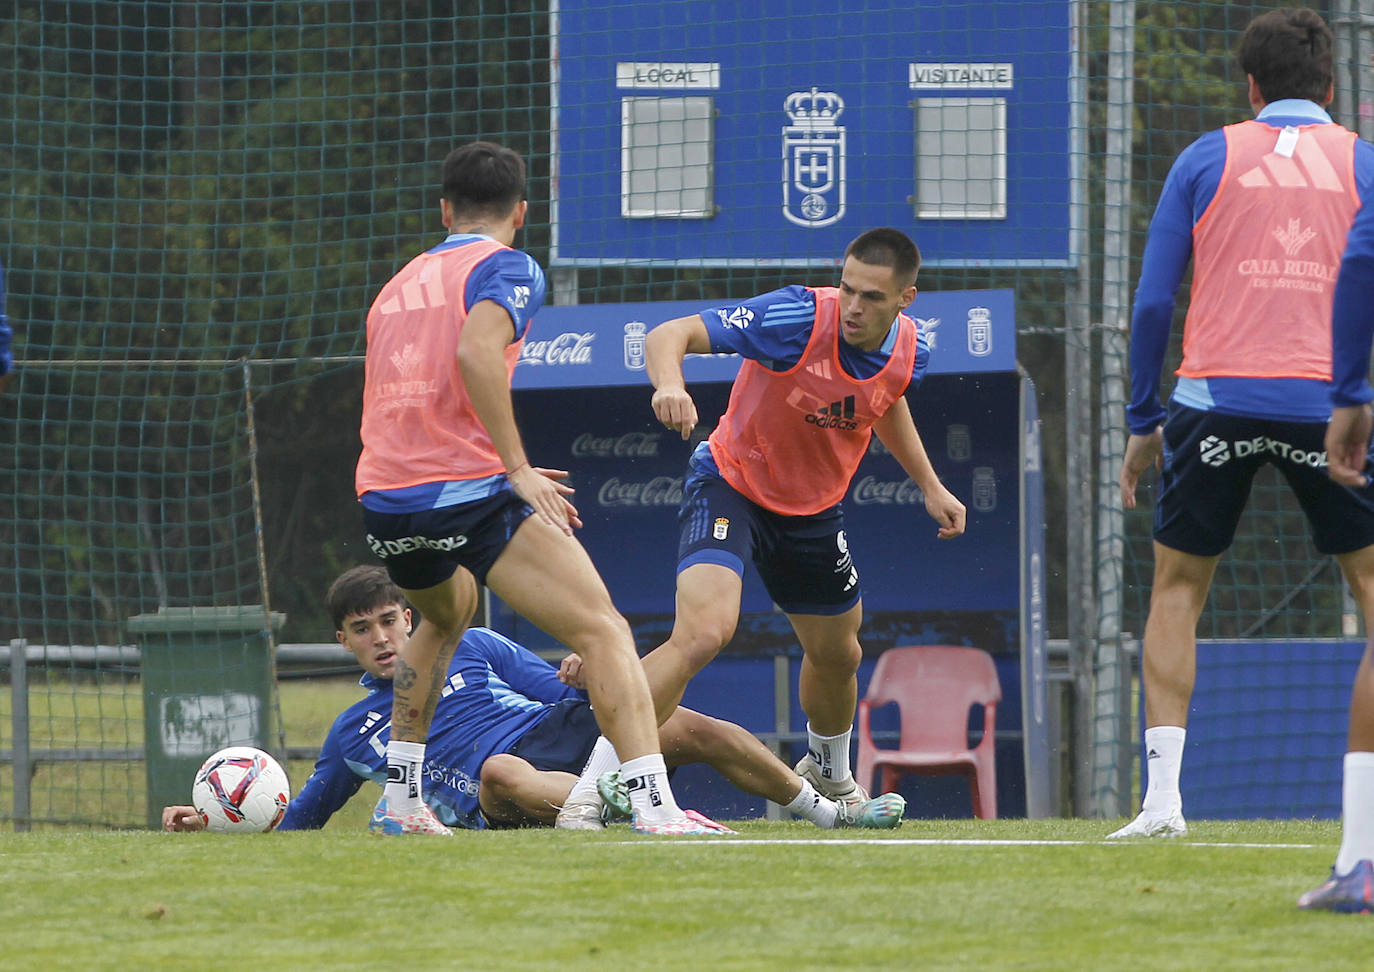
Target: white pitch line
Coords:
[[725, 840]]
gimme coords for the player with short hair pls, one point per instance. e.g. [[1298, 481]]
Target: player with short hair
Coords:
[[508, 737], [450, 499], [824, 369], [1262, 208]]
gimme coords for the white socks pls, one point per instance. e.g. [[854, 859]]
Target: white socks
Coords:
[[646, 777], [1163, 759], [1357, 812], [602, 760], [404, 760], [830, 753], [810, 805]]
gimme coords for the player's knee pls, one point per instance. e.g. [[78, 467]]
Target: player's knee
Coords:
[[837, 660], [500, 774], [601, 631], [691, 737], [700, 639]]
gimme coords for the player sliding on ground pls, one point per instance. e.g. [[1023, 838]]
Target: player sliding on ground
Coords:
[[508, 738]]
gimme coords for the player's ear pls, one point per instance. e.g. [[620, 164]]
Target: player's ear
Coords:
[[908, 296]]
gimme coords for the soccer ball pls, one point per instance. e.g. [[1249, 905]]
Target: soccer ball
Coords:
[[241, 790]]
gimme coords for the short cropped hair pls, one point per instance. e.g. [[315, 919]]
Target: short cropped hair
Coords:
[[359, 590], [888, 247], [483, 178], [1288, 53]]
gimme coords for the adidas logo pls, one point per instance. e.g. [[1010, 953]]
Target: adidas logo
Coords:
[[1305, 165], [417, 292], [1152, 754], [836, 415]]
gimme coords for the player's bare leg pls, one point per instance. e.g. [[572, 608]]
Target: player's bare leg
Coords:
[[707, 605], [421, 664], [546, 576], [1169, 670], [1357, 789], [828, 688], [513, 791]]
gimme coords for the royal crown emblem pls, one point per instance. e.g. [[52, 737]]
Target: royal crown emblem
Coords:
[[979, 332], [814, 107], [813, 158]]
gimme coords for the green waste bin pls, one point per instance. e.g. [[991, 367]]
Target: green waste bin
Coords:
[[209, 681]]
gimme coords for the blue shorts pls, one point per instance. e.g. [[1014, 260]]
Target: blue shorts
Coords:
[[562, 741], [1210, 460], [423, 549], [803, 561]]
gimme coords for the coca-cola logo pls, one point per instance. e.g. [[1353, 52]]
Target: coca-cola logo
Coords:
[[568, 348], [631, 445], [871, 490], [659, 491]]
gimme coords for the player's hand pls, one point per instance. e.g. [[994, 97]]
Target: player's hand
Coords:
[[181, 819], [1142, 452], [570, 672], [545, 490], [676, 410], [945, 509], [1347, 445]]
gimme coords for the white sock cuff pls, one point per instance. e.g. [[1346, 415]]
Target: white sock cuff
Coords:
[[402, 749], [643, 766], [1165, 734], [602, 758], [1359, 762], [805, 799], [843, 735]]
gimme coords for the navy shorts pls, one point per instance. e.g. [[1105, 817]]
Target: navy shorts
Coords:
[[1210, 460], [423, 549], [562, 741], [803, 561]]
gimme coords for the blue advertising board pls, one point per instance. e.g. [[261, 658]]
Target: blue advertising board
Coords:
[[602, 345], [712, 133], [1267, 729], [582, 401]]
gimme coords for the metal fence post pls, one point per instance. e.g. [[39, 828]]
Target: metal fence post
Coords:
[[21, 765]]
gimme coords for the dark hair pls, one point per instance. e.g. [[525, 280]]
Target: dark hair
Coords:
[[1288, 53], [359, 590], [484, 178], [887, 247]]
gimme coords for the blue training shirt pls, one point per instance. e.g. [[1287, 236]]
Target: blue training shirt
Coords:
[[496, 692], [1188, 191], [513, 279], [1352, 317]]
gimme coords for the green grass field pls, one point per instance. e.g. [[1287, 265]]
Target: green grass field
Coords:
[[933, 895], [947, 894]]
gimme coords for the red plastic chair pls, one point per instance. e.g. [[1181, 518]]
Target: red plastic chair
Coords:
[[934, 687]]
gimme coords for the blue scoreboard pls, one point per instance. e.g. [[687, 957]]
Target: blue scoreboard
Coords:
[[714, 133]]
